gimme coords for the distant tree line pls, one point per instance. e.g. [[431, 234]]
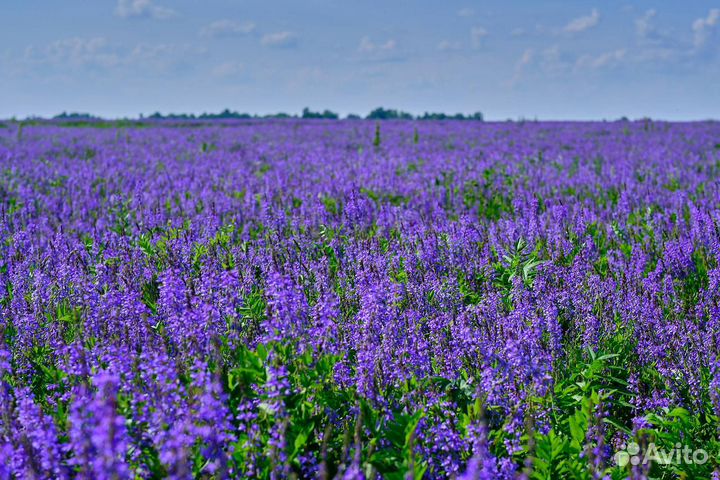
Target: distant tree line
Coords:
[[379, 113], [75, 116], [458, 116], [389, 114], [307, 113]]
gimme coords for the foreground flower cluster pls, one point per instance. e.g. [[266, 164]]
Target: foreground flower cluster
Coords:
[[321, 299]]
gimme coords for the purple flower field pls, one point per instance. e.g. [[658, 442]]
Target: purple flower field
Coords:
[[346, 299]]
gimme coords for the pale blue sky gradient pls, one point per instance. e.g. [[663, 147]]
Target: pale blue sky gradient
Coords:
[[530, 59]]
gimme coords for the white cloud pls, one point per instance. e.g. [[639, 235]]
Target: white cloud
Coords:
[[607, 59], [524, 60], [581, 24], [466, 12], [81, 54], [279, 39], [223, 28], [368, 46], [447, 46], [703, 27], [162, 57], [142, 8], [75, 52], [476, 36], [555, 62], [658, 44], [644, 25]]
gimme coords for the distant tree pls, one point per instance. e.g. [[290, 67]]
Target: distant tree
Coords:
[[381, 113], [458, 116], [171, 116], [278, 115], [75, 116], [307, 113], [181, 116], [225, 114], [433, 116]]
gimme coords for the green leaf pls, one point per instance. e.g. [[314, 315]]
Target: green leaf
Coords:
[[302, 438]]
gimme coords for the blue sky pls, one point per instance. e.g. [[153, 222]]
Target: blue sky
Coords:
[[508, 59]]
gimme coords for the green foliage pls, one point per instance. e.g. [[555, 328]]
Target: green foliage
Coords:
[[124, 219], [206, 147], [385, 439], [468, 287], [327, 114], [70, 321], [673, 185], [151, 294], [381, 113], [490, 201], [332, 206], [251, 314], [590, 385], [672, 426], [517, 263], [390, 198]]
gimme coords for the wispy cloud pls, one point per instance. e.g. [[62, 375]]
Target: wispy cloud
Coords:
[[279, 40], [667, 46], [75, 52], [368, 46], [162, 57], [466, 12], [603, 60], [380, 51], [520, 65], [556, 62], [98, 54], [447, 46], [703, 27], [227, 28], [477, 34], [656, 44], [644, 26], [583, 23], [553, 61], [142, 8]]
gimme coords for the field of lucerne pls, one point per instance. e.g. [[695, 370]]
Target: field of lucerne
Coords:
[[351, 299]]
